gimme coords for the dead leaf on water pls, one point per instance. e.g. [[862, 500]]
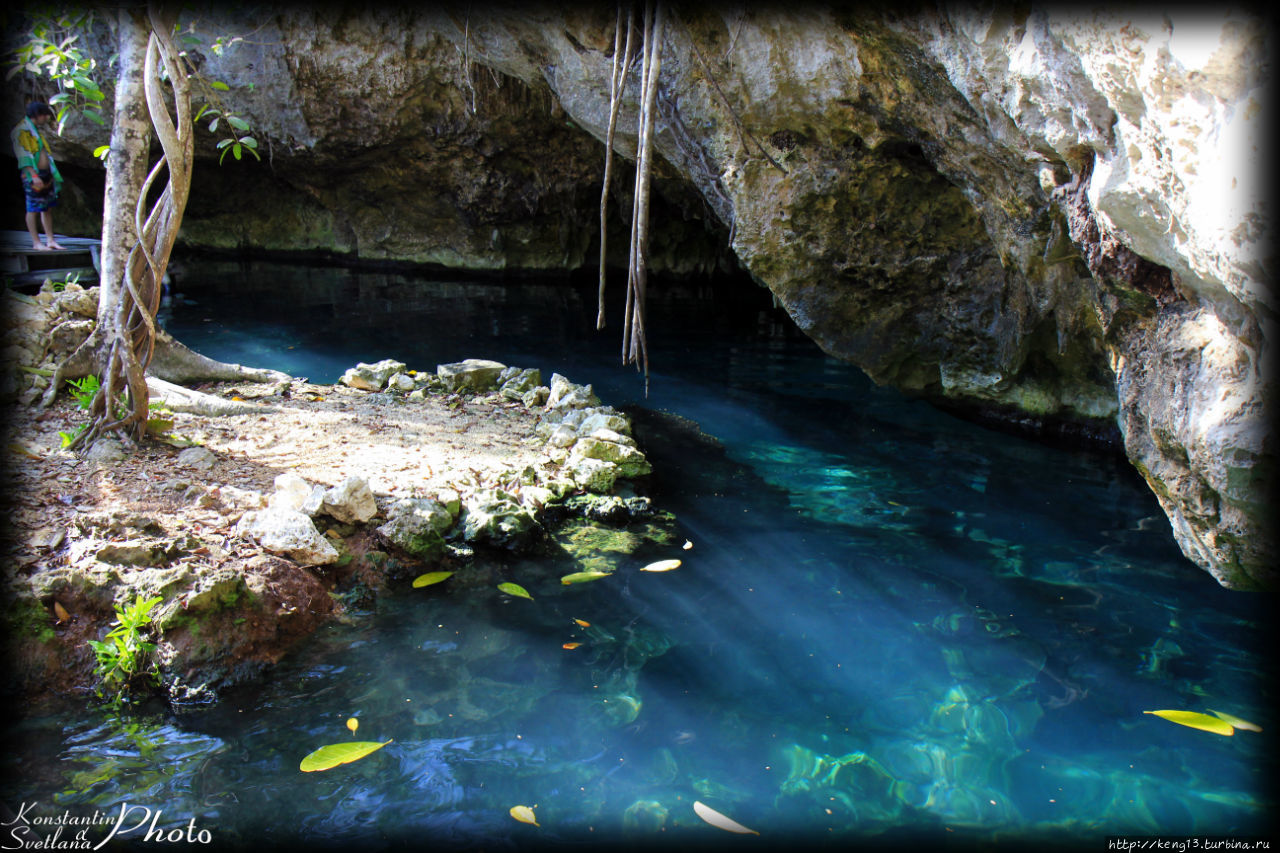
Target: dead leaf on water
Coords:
[[524, 814], [429, 578], [583, 622], [1236, 722], [661, 566], [720, 821], [1196, 720], [571, 646], [353, 724]]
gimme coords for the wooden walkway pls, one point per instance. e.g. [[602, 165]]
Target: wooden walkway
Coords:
[[25, 267]]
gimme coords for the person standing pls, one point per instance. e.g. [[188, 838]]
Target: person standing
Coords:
[[40, 178]]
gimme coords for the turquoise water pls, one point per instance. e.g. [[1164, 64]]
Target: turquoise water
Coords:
[[893, 626]]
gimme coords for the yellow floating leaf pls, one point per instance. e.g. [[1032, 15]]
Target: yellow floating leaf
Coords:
[[661, 566], [583, 622], [582, 577], [327, 757], [687, 545], [61, 612], [1196, 720], [719, 821], [516, 590], [570, 646], [1236, 722], [353, 724], [524, 814], [429, 578]]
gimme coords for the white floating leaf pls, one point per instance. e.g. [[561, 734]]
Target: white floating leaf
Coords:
[[720, 821]]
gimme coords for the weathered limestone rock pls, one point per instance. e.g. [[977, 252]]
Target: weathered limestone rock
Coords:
[[351, 501], [594, 475], [106, 451], [417, 525], [494, 517], [371, 377], [289, 533], [291, 492], [402, 382], [521, 383], [569, 395], [1189, 394], [477, 374], [200, 458], [629, 460]]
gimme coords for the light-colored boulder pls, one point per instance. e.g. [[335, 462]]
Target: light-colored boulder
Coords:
[[351, 501], [371, 377], [516, 386], [417, 526], [494, 517], [291, 492], [594, 475], [288, 533], [402, 382], [476, 374], [630, 461]]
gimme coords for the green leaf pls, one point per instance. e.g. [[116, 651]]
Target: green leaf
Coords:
[[1196, 720], [327, 757], [237, 122], [582, 577], [102, 151], [220, 86], [429, 578], [516, 590], [249, 141], [1236, 722]]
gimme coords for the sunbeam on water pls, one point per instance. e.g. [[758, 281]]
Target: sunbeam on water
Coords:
[[891, 623]]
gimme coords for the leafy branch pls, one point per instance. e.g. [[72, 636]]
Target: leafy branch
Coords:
[[122, 653], [51, 51]]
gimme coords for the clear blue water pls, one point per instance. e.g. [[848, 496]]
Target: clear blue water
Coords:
[[893, 625]]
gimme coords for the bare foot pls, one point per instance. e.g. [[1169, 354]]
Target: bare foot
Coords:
[[41, 246], [54, 245]]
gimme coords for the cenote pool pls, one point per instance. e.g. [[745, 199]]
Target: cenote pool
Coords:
[[892, 625]]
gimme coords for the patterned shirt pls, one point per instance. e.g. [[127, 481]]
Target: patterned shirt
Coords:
[[28, 146]]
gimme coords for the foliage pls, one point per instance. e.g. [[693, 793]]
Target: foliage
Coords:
[[84, 390], [52, 50], [122, 654]]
